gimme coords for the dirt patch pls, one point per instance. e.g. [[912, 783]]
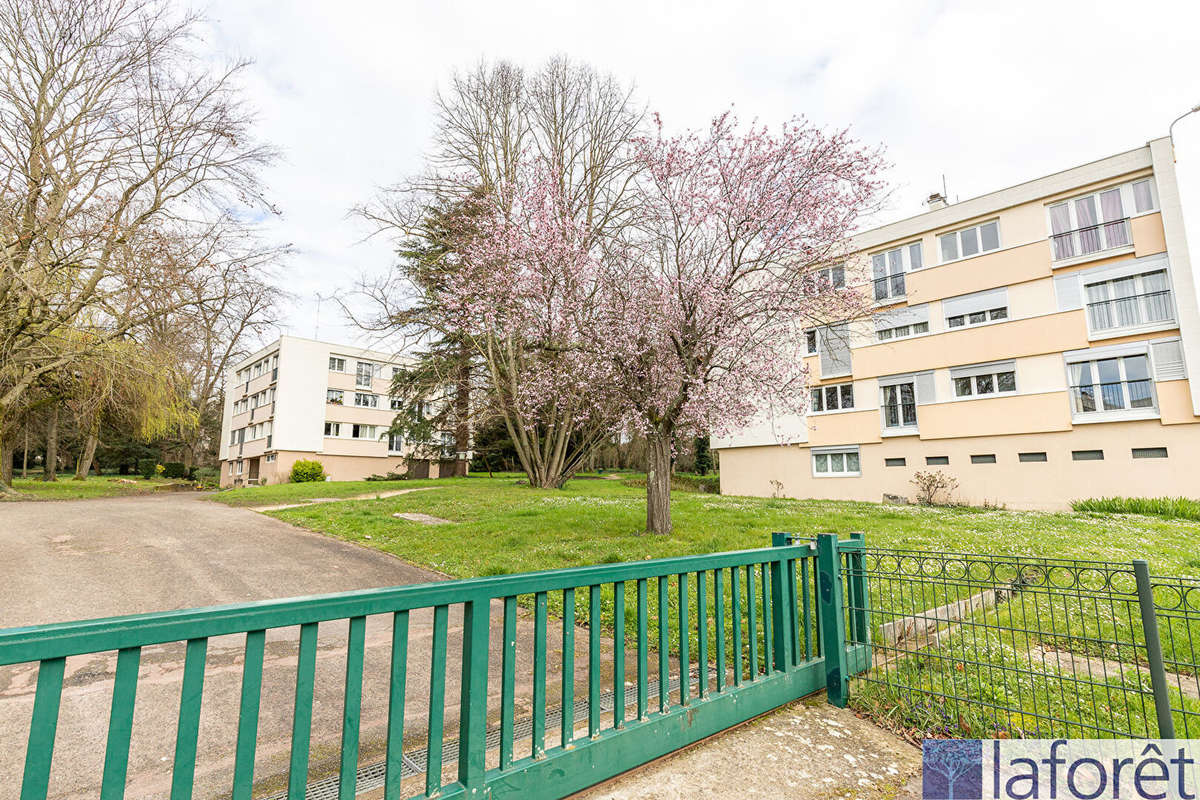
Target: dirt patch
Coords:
[[424, 519]]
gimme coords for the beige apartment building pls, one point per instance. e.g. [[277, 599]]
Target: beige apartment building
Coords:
[[303, 399], [1034, 343]]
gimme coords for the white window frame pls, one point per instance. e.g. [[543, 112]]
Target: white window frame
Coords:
[[899, 266], [270, 458], [990, 318], [1120, 353], [230, 467], [337, 364], [958, 234], [823, 389], [991, 370], [336, 397], [371, 400], [361, 428], [396, 403], [1128, 211], [392, 438], [822, 279], [240, 467], [828, 456], [372, 369], [333, 430], [1138, 277], [909, 331]]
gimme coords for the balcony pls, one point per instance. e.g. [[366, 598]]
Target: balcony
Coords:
[[1147, 308], [1090, 240]]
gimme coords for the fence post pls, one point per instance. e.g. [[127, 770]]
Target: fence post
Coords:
[[782, 602], [860, 599], [473, 704], [833, 619], [1158, 675]]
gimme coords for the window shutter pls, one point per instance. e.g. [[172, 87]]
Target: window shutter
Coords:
[[971, 303], [1066, 291], [1168, 360], [835, 350], [907, 315], [924, 387]]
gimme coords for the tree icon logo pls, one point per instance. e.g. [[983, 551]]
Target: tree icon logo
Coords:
[[952, 769]]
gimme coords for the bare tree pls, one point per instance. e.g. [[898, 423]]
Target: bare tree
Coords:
[[113, 135], [575, 123]]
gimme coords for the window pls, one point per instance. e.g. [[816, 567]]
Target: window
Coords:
[[840, 462], [1087, 455], [810, 342], [333, 428], [1142, 299], [335, 396], [270, 457], [888, 268], [899, 405], [937, 461], [1031, 457], [894, 462], [988, 458], [396, 403], [364, 400], [1149, 452], [337, 364], [1143, 196], [230, 467], [984, 379], [362, 431], [364, 372], [976, 317], [395, 443], [970, 241], [1091, 223], [396, 371], [820, 280], [1117, 384], [833, 398], [902, 331], [240, 465]]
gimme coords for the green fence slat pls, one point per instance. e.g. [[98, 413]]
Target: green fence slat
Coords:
[[619, 654], [806, 603], [539, 675], [702, 629], [768, 617], [395, 735], [508, 682], [685, 665], [190, 696], [793, 612], [643, 649], [735, 598], [306, 671], [594, 660], [437, 701], [39, 753], [247, 735], [120, 724], [719, 614], [473, 700], [568, 668], [780, 619], [832, 620], [752, 621], [664, 627], [351, 708]]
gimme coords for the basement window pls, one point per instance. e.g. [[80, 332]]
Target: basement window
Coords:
[[937, 461], [1149, 452], [894, 462], [1031, 457], [988, 458], [1087, 455], [841, 462]]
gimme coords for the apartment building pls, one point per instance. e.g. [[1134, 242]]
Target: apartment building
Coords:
[[1035, 344], [303, 399]]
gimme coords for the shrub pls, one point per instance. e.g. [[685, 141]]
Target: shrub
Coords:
[[1166, 507], [932, 484], [391, 476], [145, 466], [174, 469], [708, 484], [306, 470], [207, 477]]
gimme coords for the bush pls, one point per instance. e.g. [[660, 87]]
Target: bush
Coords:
[[306, 470], [391, 476], [707, 484], [174, 469], [207, 477], [1166, 507], [146, 467], [932, 484]]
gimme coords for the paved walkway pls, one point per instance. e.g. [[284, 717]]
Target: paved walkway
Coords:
[[367, 496]]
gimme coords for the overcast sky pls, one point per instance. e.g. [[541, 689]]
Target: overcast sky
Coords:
[[986, 94]]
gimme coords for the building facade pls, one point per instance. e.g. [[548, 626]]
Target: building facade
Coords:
[[303, 399], [1034, 344]]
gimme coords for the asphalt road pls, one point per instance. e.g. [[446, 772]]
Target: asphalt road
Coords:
[[95, 558]]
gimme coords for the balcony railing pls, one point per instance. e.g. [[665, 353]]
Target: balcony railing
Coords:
[[1092, 239], [889, 286], [1136, 309], [899, 415], [1112, 396]]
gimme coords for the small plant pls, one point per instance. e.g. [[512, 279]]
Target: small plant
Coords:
[[306, 470], [159, 469], [174, 469], [776, 489], [931, 485]]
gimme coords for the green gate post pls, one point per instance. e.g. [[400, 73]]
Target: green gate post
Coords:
[[860, 599], [833, 619], [1158, 675]]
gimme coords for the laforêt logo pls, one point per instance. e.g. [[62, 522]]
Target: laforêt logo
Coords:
[[952, 769]]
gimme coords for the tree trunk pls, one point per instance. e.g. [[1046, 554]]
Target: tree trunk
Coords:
[[7, 449], [25, 454], [89, 453], [462, 412], [51, 465], [658, 483]]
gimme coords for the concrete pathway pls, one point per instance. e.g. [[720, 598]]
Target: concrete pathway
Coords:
[[366, 496]]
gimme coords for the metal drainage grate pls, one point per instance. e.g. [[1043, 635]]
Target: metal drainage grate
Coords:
[[414, 762]]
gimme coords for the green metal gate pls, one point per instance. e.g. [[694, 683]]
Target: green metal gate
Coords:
[[743, 633]]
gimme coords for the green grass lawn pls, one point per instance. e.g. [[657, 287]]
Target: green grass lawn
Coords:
[[66, 488], [281, 493]]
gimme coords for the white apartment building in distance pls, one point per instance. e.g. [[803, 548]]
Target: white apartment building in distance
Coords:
[[303, 399]]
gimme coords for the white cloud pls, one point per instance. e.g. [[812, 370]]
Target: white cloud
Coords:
[[988, 94]]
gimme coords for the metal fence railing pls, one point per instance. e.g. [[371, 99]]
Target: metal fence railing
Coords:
[[987, 646]]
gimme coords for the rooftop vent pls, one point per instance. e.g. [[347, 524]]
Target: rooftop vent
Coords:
[[936, 200]]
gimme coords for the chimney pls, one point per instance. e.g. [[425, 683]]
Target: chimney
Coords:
[[936, 200]]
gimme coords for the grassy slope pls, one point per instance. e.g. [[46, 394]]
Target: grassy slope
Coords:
[[65, 488], [502, 527]]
